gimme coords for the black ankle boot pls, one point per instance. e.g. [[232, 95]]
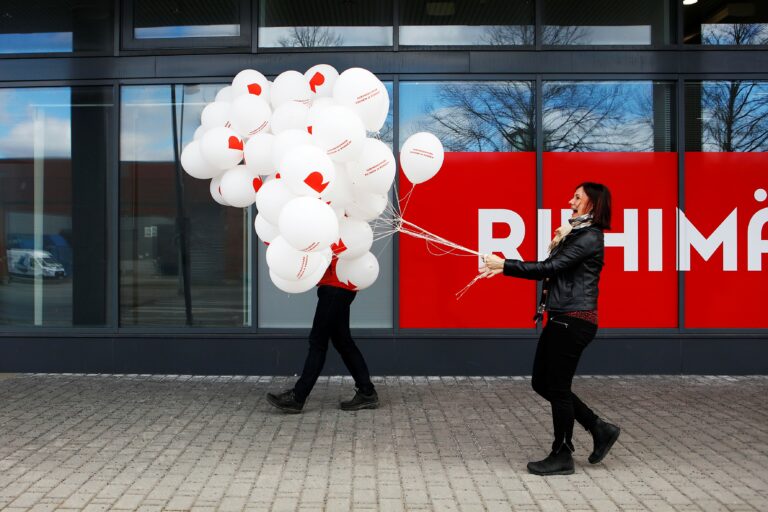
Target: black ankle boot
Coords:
[[361, 401], [604, 435], [556, 463], [285, 401]]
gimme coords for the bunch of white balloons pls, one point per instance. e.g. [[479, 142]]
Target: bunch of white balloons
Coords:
[[298, 148]]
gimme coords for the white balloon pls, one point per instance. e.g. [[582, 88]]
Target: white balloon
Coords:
[[286, 141], [225, 94], [258, 154], [321, 78], [421, 157], [249, 115], [366, 205], [288, 263], [195, 165], [301, 286], [339, 132], [308, 224], [340, 194], [222, 148], [215, 189], [358, 272], [199, 132], [318, 106], [355, 238], [215, 114], [265, 230], [250, 81], [291, 86], [307, 171], [360, 90], [289, 115], [271, 198], [239, 186], [375, 170]]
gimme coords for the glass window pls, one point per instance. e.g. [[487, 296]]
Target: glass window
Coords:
[[183, 257], [723, 228], [54, 161], [323, 23], [171, 19], [463, 22], [608, 116], [372, 307], [719, 22], [728, 116], [620, 134], [606, 22], [56, 26], [483, 197]]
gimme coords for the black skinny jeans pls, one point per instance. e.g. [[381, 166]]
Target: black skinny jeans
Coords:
[[332, 321], [557, 356]]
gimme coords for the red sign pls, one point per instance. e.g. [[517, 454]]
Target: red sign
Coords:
[[448, 205], [725, 202]]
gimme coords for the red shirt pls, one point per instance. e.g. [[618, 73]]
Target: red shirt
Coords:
[[330, 278]]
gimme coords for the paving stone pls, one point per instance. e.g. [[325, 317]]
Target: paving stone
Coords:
[[211, 443]]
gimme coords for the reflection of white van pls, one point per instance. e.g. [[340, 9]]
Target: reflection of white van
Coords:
[[28, 262]]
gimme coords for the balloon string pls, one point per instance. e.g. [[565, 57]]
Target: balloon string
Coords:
[[464, 290]]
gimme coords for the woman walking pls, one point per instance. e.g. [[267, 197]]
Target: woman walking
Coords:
[[569, 296]]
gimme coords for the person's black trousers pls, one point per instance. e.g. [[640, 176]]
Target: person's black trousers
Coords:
[[332, 321], [557, 355]]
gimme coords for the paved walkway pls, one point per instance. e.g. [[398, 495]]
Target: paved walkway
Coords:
[[112, 442]]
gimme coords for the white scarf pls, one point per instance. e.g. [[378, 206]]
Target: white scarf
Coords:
[[580, 222]]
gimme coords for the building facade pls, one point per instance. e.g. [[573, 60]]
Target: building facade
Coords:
[[114, 260]]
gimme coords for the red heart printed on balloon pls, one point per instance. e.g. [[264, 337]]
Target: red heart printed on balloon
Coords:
[[350, 283], [309, 129], [315, 182], [338, 247], [235, 143], [317, 79], [254, 89], [257, 183]]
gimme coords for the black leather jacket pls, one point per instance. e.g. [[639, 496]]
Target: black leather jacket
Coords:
[[571, 272]]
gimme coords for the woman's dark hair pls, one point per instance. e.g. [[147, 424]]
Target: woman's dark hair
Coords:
[[600, 197]]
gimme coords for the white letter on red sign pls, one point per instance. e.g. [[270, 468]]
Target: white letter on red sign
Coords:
[[724, 235], [507, 246], [628, 240], [756, 246], [655, 245]]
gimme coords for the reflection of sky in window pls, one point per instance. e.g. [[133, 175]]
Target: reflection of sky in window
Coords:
[[41, 42], [18, 108], [724, 33], [605, 35], [444, 35], [187, 31], [275, 37], [735, 113], [145, 119], [599, 116]]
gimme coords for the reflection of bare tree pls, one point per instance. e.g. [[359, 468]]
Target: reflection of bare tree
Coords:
[[308, 37], [735, 34], [735, 116], [517, 35], [495, 116]]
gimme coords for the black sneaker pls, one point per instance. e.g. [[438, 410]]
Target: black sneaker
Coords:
[[361, 401], [285, 401], [556, 463], [603, 435]]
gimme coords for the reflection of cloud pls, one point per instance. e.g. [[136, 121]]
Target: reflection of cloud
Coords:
[[606, 35], [19, 141], [187, 31], [444, 35]]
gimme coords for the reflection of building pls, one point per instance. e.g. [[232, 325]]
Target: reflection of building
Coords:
[[666, 103]]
